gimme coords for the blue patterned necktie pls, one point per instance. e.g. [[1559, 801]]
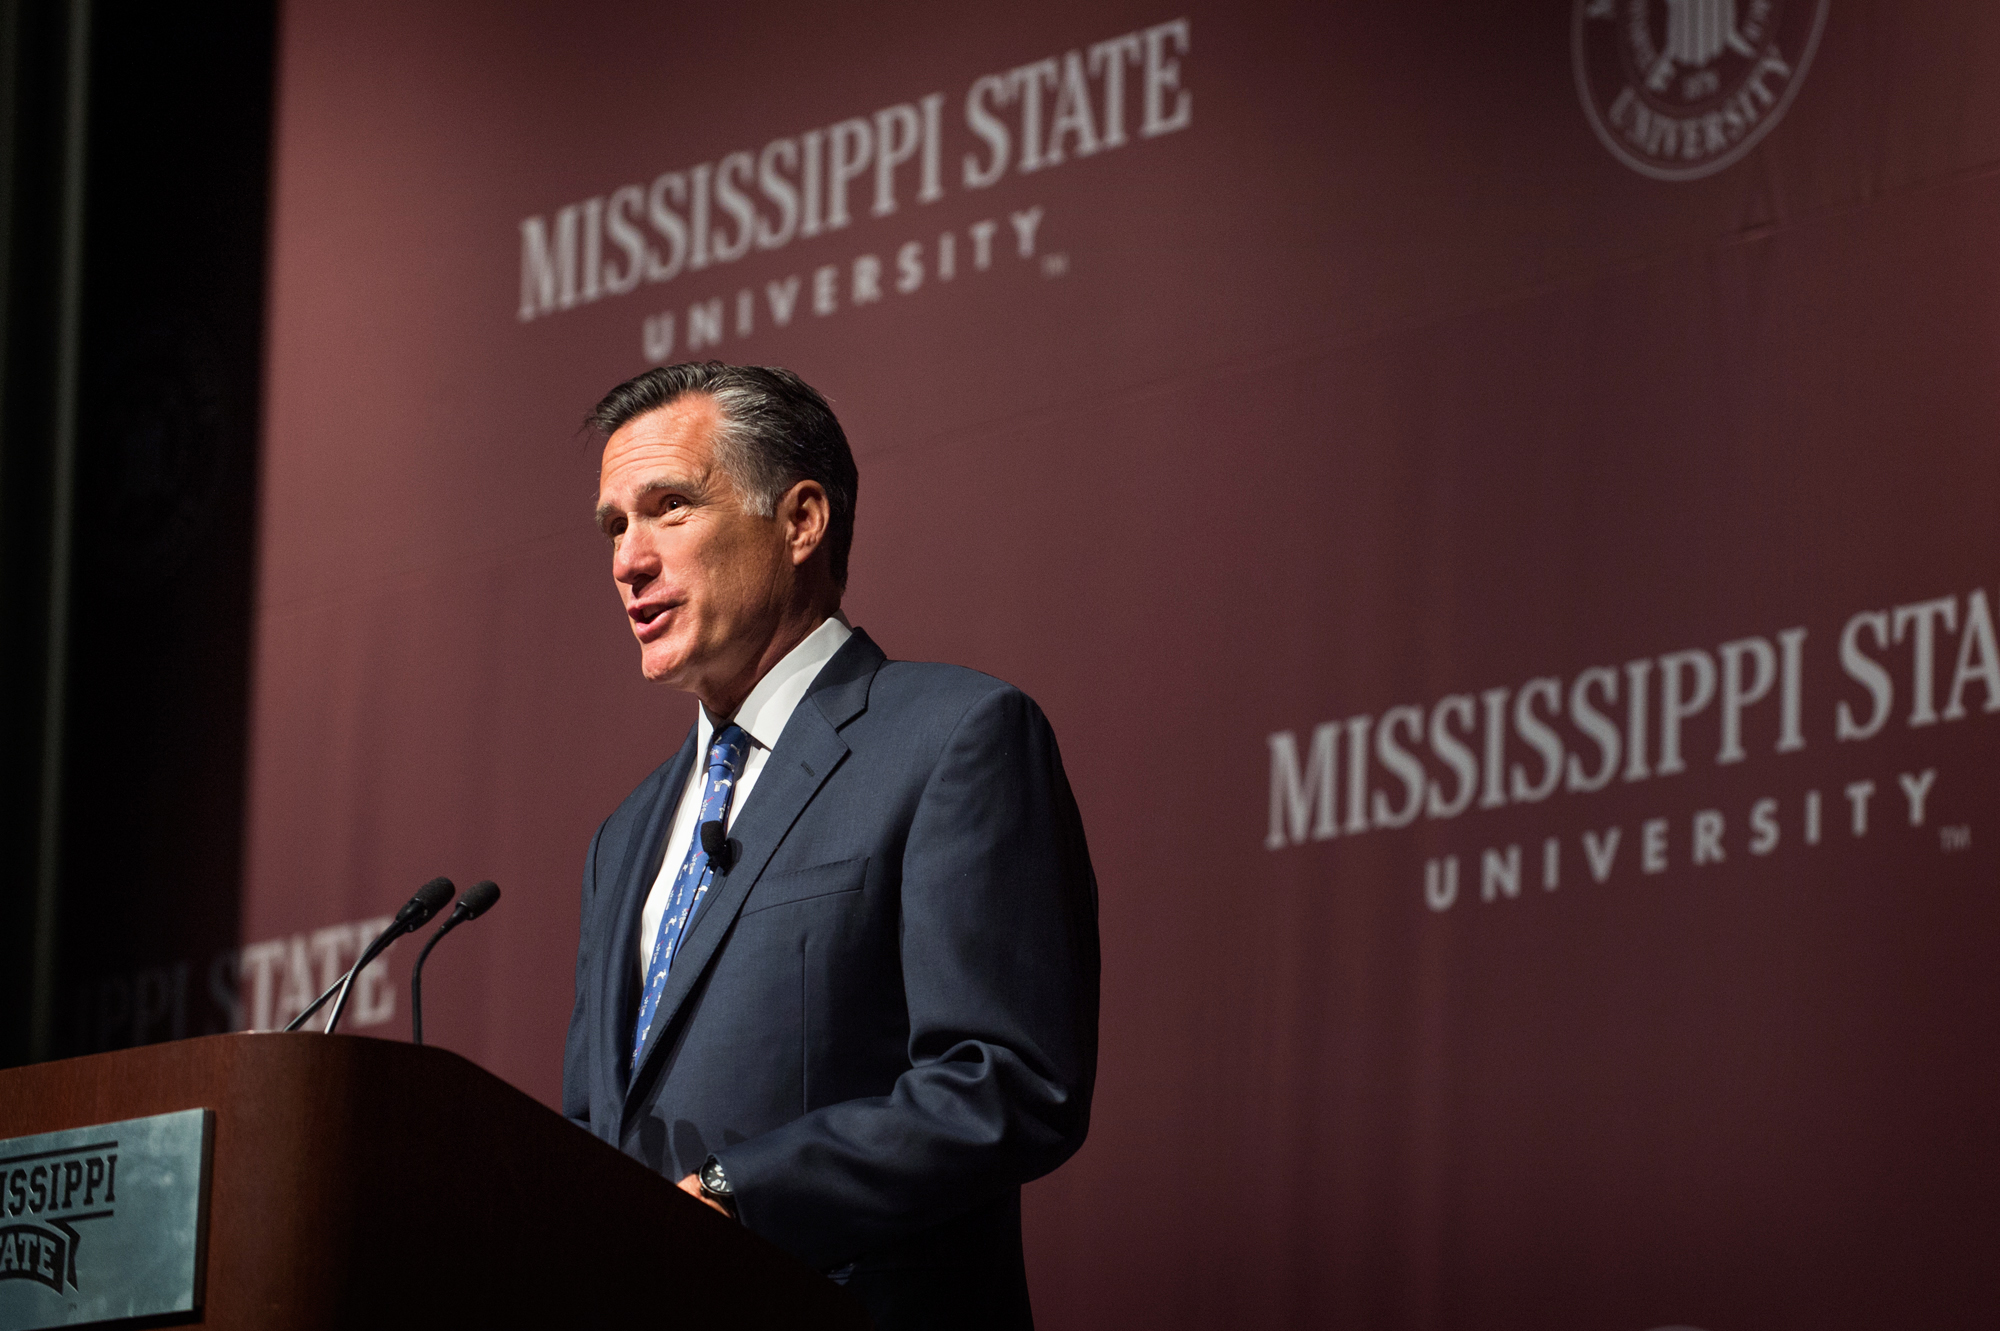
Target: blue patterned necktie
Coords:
[[725, 763]]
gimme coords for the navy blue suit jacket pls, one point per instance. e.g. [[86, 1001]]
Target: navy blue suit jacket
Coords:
[[883, 1020]]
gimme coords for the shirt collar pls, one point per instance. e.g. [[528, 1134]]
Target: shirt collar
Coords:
[[771, 703]]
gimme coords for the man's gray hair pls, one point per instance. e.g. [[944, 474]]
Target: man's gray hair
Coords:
[[776, 431]]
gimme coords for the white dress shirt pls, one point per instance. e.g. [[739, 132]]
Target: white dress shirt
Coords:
[[763, 716]]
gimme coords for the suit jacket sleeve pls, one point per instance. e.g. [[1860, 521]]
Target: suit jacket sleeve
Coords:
[[576, 1049], [1000, 969]]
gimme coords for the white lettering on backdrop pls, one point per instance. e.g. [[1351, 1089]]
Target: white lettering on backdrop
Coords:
[[1634, 722], [1028, 119]]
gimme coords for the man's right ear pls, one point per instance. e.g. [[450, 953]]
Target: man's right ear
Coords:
[[807, 514]]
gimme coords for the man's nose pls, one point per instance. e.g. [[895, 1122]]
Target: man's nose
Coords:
[[634, 562]]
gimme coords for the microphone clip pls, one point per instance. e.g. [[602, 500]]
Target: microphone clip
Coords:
[[717, 845]]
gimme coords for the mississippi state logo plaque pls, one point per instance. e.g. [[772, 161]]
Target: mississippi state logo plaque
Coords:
[[1679, 89]]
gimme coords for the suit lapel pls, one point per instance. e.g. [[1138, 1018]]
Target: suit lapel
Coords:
[[805, 756], [643, 855]]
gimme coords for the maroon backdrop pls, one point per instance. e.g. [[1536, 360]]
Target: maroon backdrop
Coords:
[[1496, 501]]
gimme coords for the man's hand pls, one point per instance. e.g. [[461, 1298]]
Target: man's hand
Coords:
[[692, 1187]]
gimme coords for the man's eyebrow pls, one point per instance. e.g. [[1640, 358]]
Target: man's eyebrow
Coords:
[[692, 488]]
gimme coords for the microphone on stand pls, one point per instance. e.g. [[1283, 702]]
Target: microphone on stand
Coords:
[[478, 899], [416, 912], [412, 904]]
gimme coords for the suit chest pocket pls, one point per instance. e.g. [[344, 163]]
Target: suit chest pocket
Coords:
[[840, 878]]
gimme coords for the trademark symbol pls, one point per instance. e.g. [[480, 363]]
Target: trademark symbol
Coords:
[[1055, 265], [1955, 838]]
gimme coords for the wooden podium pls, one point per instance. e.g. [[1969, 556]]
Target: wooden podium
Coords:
[[369, 1183]]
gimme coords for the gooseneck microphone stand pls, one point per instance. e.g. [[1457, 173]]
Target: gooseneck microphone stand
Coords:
[[478, 899], [416, 912]]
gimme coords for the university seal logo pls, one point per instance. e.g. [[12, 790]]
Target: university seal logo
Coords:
[[1679, 89]]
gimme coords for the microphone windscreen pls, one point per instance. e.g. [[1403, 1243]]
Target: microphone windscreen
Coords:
[[713, 838], [431, 898], [478, 899]]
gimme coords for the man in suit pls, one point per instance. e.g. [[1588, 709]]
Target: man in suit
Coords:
[[838, 966]]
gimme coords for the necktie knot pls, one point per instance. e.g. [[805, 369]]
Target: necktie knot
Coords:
[[727, 751]]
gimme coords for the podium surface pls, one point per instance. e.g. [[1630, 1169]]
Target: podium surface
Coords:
[[357, 1182]]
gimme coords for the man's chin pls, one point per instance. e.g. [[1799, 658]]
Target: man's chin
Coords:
[[660, 667]]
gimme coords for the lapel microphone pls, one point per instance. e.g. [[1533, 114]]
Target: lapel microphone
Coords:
[[716, 845], [478, 899]]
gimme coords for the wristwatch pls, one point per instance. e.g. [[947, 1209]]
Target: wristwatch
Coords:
[[714, 1184]]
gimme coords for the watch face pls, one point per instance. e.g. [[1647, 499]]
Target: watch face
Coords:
[[712, 1177]]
